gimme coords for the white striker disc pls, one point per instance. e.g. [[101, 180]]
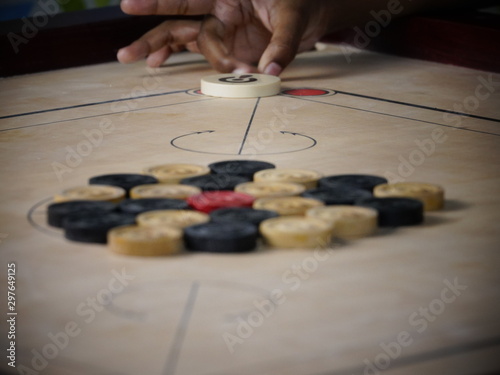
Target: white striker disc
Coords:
[[240, 85]]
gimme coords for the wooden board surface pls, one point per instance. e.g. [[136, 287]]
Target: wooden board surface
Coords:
[[408, 301]]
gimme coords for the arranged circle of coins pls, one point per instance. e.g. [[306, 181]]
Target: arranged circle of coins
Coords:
[[232, 206]]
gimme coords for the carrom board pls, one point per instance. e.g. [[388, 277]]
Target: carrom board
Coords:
[[410, 300]]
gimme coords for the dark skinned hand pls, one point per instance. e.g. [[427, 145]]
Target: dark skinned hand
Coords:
[[233, 35]]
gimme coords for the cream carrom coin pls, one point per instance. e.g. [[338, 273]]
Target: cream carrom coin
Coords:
[[267, 189], [296, 232], [306, 177], [349, 222], [432, 196], [175, 218], [240, 85], [174, 173], [287, 205], [171, 191], [145, 241], [91, 192]]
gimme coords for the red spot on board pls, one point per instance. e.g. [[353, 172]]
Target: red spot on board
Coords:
[[306, 92]]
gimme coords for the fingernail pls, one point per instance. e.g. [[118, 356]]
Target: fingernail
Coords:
[[122, 55], [124, 4], [240, 71], [273, 69]]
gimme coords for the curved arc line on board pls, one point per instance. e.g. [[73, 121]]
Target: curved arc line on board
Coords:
[[172, 142], [33, 210]]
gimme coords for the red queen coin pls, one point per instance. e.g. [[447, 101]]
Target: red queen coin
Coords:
[[212, 200]]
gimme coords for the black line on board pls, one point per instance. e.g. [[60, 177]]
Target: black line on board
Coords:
[[399, 362], [418, 106], [391, 115], [90, 104], [180, 333], [427, 356], [248, 126], [103, 114]]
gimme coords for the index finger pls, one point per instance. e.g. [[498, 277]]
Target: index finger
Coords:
[[167, 7]]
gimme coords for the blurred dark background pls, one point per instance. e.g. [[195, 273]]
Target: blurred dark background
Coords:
[[41, 35]]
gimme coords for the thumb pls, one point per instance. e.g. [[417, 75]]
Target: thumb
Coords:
[[284, 43]]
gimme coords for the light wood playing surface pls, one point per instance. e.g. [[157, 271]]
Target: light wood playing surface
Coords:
[[433, 287]]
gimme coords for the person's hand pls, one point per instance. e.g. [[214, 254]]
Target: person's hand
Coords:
[[234, 34]]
